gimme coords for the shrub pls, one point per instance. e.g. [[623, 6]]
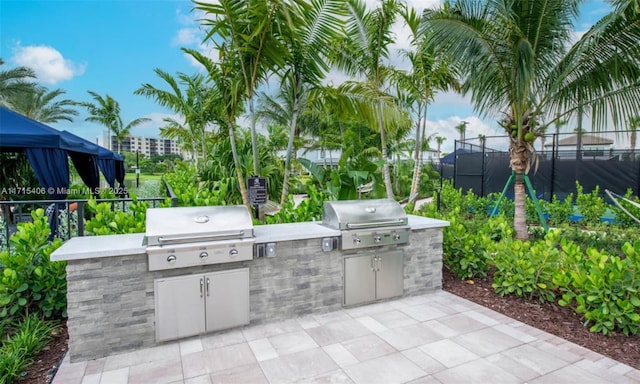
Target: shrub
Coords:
[[17, 351], [309, 209], [604, 288], [622, 218], [29, 280], [590, 205], [560, 212], [107, 221], [526, 269]]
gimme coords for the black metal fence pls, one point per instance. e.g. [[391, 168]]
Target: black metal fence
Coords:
[[484, 169]]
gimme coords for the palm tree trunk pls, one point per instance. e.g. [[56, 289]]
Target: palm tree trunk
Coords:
[[519, 159], [236, 163], [287, 160], [386, 174], [254, 139]]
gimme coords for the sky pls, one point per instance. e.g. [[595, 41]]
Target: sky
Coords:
[[113, 46]]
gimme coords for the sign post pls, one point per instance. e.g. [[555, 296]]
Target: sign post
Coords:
[[257, 191]]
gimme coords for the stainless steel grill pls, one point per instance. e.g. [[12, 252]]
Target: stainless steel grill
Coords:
[[367, 223], [190, 236]]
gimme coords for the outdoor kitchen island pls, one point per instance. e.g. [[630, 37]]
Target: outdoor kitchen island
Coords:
[[295, 270]]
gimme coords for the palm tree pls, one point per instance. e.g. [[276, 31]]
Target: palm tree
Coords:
[[430, 73], [462, 129], [40, 105], [14, 83], [362, 52], [106, 111], [439, 140], [251, 31], [307, 46], [634, 124], [193, 104], [518, 61], [227, 103]]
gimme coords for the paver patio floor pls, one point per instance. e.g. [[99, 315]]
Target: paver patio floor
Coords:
[[432, 338]]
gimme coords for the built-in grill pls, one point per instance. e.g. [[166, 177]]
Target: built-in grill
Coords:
[[367, 223], [190, 236]]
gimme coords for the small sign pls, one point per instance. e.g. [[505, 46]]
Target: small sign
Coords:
[[257, 190]]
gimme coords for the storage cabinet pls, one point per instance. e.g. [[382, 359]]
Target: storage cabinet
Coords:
[[195, 304], [373, 277]]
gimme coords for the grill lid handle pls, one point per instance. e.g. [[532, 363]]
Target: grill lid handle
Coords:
[[376, 223], [191, 239]]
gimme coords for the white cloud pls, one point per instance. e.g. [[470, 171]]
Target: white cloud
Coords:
[[49, 64], [187, 36]]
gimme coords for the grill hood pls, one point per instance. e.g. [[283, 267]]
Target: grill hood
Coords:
[[359, 214], [197, 224]]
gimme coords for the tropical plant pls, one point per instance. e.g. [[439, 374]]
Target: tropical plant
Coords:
[[15, 83], [462, 130], [439, 141], [634, 124], [106, 111], [430, 73], [362, 53], [518, 61], [307, 45], [193, 104], [40, 105], [251, 32]]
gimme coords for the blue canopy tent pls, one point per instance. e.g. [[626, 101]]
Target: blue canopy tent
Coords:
[[109, 163], [47, 150]]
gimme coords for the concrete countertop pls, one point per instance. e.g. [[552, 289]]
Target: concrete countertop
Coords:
[[90, 247]]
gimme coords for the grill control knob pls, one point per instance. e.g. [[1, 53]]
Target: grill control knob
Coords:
[[396, 236], [171, 259], [233, 252], [203, 255], [377, 238], [356, 240]]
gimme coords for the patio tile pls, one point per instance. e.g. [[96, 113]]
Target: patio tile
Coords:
[[393, 319], [389, 369], [410, 336], [477, 371], [162, 352], [224, 339], [157, 372], [93, 378], [340, 354], [483, 318], [371, 324], [204, 379], [516, 368], [292, 342], [448, 353], [95, 366], [70, 372], [190, 346], [297, 366], [334, 377], [337, 331], [425, 380], [440, 328], [423, 360], [568, 374], [556, 352], [331, 317], [515, 333], [486, 341], [271, 329], [462, 323], [602, 368], [423, 312], [262, 349], [117, 376], [251, 373], [307, 322], [536, 359], [368, 310], [218, 359], [368, 347]]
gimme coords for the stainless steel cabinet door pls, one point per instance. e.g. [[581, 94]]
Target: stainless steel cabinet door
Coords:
[[179, 307], [359, 280], [227, 294], [390, 274]]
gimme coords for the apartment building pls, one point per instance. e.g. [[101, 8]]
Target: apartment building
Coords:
[[146, 146]]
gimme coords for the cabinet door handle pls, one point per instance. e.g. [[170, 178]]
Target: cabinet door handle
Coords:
[[379, 263], [201, 287], [208, 282], [373, 267]]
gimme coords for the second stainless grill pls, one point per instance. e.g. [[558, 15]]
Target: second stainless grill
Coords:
[[367, 223], [190, 236]]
